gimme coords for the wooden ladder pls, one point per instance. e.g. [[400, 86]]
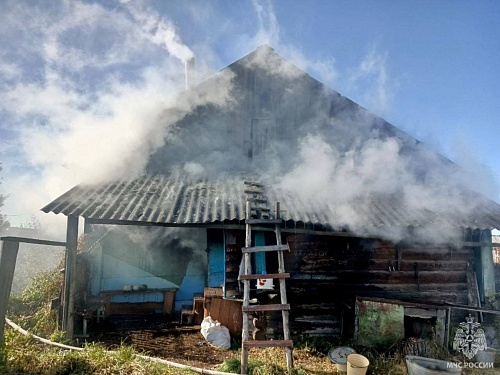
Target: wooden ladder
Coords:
[[247, 275]]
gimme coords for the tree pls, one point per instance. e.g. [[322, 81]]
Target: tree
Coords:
[[4, 223]]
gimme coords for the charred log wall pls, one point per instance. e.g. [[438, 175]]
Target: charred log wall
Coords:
[[327, 272]]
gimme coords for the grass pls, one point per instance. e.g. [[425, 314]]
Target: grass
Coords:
[[23, 355], [310, 357], [32, 308]]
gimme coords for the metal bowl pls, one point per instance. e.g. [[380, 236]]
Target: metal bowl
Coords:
[[338, 355]]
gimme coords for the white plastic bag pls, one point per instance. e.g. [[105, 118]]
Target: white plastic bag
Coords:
[[215, 334]]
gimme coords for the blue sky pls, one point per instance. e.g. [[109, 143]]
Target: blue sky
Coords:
[[80, 80]]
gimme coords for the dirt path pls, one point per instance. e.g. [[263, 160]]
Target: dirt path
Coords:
[[179, 344]]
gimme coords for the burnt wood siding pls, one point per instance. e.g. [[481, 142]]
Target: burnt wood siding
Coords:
[[327, 273], [372, 268]]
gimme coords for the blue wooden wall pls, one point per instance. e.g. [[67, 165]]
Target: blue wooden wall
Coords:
[[216, 258], [260, 258]]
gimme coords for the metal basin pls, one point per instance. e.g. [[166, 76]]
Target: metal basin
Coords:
[[429, 366]]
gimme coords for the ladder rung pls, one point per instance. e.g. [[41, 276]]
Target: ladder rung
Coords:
[[274, 307], [265, 276], [256, 249], [268, 344], [252, 190], [253, 183], [264, 221], [257, 200]]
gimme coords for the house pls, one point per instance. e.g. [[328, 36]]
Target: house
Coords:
[[372, 218]]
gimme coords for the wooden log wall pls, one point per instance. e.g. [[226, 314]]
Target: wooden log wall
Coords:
[[328, 272], [378, 268]]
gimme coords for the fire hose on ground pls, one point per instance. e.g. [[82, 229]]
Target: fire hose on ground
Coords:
[[153, 359]]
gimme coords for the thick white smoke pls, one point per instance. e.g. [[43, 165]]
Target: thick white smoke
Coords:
[[102, 98], [106, 93]]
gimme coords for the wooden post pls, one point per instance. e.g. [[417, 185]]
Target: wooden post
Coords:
[[7, 266], [246, 295], [488, 266], [448, 322], [281, 269], [87, 227], [69, 276]]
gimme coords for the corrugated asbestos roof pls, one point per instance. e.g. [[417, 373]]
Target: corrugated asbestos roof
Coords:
[[178, 200]]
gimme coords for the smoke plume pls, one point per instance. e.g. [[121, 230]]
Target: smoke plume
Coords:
[[97, 94]]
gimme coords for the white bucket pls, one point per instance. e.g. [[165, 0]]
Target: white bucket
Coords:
[[265, 284], [357, 364]]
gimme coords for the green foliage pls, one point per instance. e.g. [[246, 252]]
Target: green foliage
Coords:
[[230, 365], [32, 260], [44, 287], [32, 309], [24, 355]]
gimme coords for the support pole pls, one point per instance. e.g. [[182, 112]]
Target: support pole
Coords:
[[69, 277], [488, 266], [7, 266], [245, 334]]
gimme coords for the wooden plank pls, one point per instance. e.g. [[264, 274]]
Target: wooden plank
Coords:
[[256, 249], [441, 326], [448, 321], [215, 308], [168, 301], [265, 276], [226, 226], [386, 277], [479, 244], [263, 221], [117, 308], [408, 265], [270, 307], [209, 292], [268, 344], [227, 312], [408, 305], [423, 253], [472, 308], [35, 241], [7, 266], [302, 286]]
